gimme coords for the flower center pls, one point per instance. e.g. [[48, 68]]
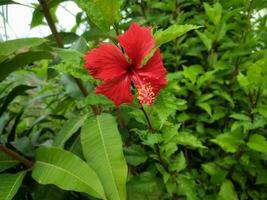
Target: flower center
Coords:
[[146, 94], [145, 91]]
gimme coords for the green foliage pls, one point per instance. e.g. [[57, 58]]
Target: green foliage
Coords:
[[206, 135]]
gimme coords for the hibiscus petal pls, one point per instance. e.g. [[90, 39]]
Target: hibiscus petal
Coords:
[[137, 42], [106, 62], [154, 68], [118, 90], [150, 79]]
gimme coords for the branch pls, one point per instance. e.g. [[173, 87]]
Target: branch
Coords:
[[147, 118], [16, 156], [60, 44]]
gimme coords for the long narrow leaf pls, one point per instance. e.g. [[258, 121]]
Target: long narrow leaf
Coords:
[[67, 171], [102, 148], [10, 184]]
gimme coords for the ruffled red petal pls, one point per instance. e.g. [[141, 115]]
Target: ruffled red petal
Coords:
[[118, 90], [106, 62], [137, 42], [154, 68], [150, 79]]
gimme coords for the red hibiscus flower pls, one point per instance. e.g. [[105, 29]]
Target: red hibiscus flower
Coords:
[[109, 64]]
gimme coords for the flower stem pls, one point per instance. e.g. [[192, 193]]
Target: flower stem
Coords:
[[16, 156], [147, 118]]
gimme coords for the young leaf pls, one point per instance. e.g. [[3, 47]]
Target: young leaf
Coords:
[[68, 129], [172, 32], [102, 148], [67, 171], [10, 184]]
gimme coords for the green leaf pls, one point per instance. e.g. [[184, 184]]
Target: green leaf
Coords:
[[69, 128], [22, 60], [228, 142], [243, 81], [187, 187], [10, 184], [37, 17], [217, 173], [144, 186], [11, 46], [172, 32], [261, 175], [258, 143], [205, 39], [214, 12], [49, 192], [205, 106], [227, 192], [69, 55], [67, 171], [192, 72], [16, 91], [102, 148], [226, 96], [262, 110], [186, 138], [241, 117], [166, 104], [135, 155], [103, 13], [6, 161], [179, 163]]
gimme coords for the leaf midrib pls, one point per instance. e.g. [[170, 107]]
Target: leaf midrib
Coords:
[[14, 185], [106, 154], [66, 171]]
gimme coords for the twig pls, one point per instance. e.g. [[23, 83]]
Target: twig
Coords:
[[60, 44], [16, 156]]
